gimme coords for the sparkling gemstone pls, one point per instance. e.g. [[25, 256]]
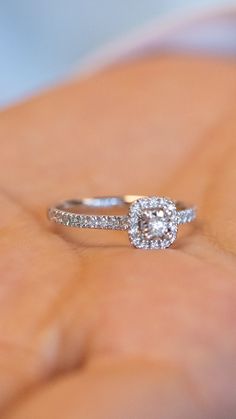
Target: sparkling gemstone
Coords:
[[153, 224]]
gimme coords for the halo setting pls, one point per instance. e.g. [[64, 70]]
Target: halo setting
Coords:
[[153, 223]]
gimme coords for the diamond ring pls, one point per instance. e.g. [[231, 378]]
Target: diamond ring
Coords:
[[151, 222]]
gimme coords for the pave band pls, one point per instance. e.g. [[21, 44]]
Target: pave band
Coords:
[[152, 222]]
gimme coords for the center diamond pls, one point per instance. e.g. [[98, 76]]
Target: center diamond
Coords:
[[153, 223]]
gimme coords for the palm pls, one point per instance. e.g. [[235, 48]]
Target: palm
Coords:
[[87, 323]]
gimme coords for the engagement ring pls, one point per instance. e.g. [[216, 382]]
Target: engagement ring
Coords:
[[151, 222]]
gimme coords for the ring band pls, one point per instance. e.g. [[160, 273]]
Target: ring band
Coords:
[[151, 222]]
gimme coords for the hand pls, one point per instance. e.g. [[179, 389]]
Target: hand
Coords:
[[91, 328]]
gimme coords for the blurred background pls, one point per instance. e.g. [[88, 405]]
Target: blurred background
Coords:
[[44, 42]]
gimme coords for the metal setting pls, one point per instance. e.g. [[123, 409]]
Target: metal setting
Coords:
[[151, 222]]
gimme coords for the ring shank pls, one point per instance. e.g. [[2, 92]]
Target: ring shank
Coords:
[[98, 202], [106, 202]]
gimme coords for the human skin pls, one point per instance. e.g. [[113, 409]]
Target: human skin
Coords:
[[91, 328]]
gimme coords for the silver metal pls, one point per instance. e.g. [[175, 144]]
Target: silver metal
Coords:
[[152, 222]]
